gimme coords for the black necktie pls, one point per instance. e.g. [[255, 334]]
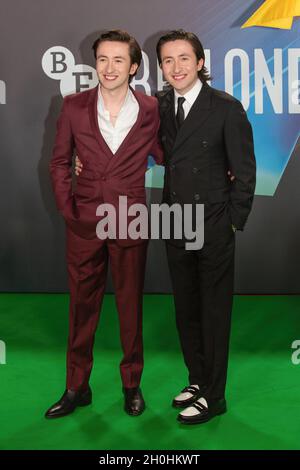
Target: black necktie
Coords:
[[180, 111]]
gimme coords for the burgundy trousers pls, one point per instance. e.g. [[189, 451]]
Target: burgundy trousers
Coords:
[[87, 262]]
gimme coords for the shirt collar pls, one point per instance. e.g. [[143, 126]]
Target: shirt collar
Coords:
[[129, 97], [191, 95]]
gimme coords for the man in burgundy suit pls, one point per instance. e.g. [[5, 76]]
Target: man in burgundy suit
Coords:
[[113, 130]]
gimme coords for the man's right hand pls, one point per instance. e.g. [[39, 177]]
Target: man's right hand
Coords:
[[78, 166]]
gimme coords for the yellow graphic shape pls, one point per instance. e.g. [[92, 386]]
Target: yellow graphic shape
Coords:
[[275, 14]]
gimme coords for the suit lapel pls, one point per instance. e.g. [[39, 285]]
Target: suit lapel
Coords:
[[199, 112], [112, 159], [167, 117], [93, 114], [133, 132]]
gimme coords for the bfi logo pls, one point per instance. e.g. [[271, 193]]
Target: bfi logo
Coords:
[[2, 92], [58, 63], [2, 352]]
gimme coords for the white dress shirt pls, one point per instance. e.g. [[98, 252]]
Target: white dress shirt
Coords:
[[114, 135], [190, 98]]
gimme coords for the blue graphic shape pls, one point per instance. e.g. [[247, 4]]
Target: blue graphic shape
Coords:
[[154, 175], [275, 135]]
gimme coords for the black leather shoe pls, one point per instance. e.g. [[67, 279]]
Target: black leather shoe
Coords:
[[187, 397], [203, 413], [68, 402], [134, 401]]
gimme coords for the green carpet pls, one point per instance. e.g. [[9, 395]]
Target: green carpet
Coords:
[[262, 391]]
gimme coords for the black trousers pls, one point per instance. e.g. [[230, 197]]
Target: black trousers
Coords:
[[203, 292]]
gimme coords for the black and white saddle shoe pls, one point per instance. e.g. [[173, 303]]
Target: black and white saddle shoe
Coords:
[[201, 412], [187, 396]]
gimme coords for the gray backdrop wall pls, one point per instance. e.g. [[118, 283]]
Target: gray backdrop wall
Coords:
[[31, 89]]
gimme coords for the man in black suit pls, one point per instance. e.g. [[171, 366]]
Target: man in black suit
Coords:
[[205, 133]]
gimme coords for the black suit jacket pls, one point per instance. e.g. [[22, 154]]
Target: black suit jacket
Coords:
[[215, 137]]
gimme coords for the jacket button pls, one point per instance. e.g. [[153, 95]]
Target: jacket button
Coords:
[[172, 167], [197, 197], [204, 143], [103, 178], [173, 193], [195, 170]]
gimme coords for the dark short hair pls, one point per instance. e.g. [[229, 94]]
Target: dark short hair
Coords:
[[121, 36], [194, 41]]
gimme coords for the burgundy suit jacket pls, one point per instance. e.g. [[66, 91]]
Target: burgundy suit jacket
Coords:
[[105, 176]]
